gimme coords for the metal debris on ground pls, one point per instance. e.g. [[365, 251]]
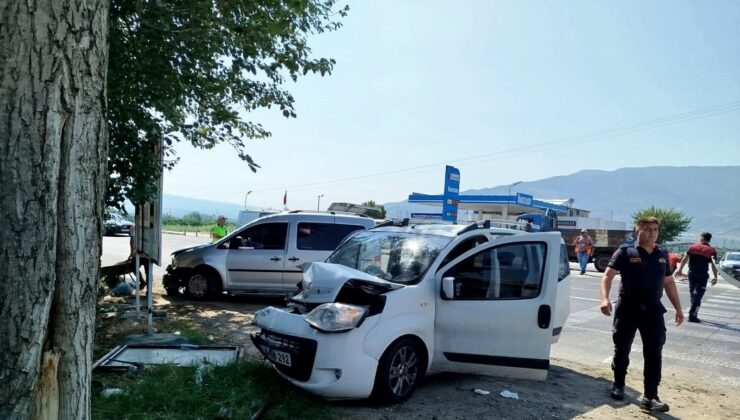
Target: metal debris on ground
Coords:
[[124, 357]]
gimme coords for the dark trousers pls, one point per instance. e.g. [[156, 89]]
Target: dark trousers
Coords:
[[697, 287], [649, 320]]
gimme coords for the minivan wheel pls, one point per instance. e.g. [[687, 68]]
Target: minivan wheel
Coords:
[[601, 262], [198, 285], [399, 371]]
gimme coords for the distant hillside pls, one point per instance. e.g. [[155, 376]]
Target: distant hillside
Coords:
[[179, 206], [710, 195]]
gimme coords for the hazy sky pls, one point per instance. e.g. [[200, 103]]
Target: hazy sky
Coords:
[[503, 90]]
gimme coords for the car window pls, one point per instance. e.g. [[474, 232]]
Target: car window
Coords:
[[462, 248], [393, 256], [323, 236], [511, 271], [262, 236], [564, 266]]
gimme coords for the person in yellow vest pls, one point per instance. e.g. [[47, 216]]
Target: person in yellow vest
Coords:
[[218, 230]]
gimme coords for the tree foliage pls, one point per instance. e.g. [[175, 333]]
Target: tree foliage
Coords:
[[190, 70], [672, 222], [379, 214]]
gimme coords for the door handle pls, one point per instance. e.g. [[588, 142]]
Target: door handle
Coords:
[[274, 259], [543, 316], [293, 259]]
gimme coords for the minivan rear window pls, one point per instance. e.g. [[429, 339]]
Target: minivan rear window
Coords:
[[322, 236]]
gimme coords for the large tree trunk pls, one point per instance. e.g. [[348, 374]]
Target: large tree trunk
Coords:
[[53, 145]]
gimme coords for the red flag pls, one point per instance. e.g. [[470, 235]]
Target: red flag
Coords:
[[285, 198]]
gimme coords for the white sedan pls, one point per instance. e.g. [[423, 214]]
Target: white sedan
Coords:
[[730, 264]]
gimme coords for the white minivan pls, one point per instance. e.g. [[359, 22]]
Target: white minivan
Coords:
[[261, 257], [394, 302]]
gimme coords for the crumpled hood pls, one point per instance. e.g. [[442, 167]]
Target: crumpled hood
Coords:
[[323, 281]]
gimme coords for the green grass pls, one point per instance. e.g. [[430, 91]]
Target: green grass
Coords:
[[235, 391]]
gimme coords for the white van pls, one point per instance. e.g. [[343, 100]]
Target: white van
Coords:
[[393, 302], [261, 257]]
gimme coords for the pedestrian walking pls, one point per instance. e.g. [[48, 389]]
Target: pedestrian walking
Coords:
[[645, 272], [700, 257], [218, 230], [582, 246]]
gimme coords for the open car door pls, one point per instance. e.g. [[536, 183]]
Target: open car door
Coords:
[[495, 308]]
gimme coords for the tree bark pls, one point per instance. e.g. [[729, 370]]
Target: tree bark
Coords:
[[53, 146]]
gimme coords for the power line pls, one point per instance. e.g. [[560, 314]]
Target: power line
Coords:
[[543, 146]]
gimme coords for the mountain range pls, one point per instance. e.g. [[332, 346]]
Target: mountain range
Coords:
[[710, 195]]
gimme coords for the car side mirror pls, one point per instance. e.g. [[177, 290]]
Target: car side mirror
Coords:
[[448, 287]]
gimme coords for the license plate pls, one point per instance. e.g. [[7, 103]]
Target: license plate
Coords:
[[281, 357]]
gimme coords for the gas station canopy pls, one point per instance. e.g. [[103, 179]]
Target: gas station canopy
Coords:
[[502, 205]]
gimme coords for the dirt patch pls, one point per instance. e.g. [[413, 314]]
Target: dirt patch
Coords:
[[572, 390]]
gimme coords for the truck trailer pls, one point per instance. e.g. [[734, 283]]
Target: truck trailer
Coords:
[[607, 235]]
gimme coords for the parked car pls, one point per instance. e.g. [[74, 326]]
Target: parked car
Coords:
[[395, 301], [115, 224], [730, 264], [262, 256]]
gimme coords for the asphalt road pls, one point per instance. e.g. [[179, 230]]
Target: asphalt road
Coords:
[[117, 248], [709, 350]]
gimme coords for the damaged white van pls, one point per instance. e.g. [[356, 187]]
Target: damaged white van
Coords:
[[395, 302]]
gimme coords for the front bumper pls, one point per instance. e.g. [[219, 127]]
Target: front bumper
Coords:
[[331, 365], [174, 277], [731, 270]]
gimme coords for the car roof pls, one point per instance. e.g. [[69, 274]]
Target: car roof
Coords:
[[439, 229], [318, 214]]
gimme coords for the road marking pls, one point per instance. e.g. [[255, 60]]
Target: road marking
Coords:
[[584, 289], [724, 300], [583, 298]]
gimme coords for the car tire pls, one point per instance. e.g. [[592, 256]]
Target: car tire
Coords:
[[402, 366], [201, 284], [601, 262]]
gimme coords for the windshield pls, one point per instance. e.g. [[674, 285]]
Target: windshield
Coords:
[[733, 256], [393, 256]]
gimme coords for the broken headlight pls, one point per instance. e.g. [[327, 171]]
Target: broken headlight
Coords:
[[336, 317]]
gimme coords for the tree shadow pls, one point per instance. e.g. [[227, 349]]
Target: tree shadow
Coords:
[[565, 394]]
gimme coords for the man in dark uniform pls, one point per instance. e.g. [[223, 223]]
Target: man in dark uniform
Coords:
[[700, 255], [645, 272]]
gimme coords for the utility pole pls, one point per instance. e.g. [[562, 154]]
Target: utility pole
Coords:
[[508, 198], [318, 202], [245, 198]]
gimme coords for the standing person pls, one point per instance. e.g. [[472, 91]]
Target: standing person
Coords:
[[645, 272], [699, 256], [674, 259], [582, 246], [218, 230]]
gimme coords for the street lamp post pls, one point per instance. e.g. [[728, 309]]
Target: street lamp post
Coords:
[[318, 202], [508, 198], [245, 198]]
